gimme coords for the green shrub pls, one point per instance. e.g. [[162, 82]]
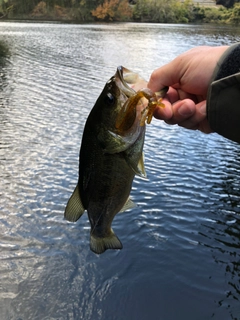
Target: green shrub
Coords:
[[235, 14]]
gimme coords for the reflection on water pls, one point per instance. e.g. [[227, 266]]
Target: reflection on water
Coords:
[[226, 238], [181, 244]]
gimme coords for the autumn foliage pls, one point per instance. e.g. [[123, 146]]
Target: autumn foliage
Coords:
[[158, 11], [113, 10], [40, 9]]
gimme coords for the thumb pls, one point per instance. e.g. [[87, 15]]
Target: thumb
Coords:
[[168, 75]]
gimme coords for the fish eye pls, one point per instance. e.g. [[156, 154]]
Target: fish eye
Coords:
[[109, 99]]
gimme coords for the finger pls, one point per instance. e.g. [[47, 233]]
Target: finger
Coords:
[[175, 94], [182, 95], [164, 113], [172, 95], [198, 116], [167, 75], [181, 111], [198, 120]]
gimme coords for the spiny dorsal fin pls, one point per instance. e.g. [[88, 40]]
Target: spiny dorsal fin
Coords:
[[74, 208]]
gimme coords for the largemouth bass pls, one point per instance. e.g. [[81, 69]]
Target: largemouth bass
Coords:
[[111, 154]]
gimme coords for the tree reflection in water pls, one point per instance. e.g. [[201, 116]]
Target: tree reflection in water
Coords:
[[224, 239], [4, 59]]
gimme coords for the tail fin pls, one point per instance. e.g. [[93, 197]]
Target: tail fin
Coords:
[[99, 245]]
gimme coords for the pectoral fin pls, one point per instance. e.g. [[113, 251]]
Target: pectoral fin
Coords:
[[116, 143], [128, 205], [139, 167], [74, 208]]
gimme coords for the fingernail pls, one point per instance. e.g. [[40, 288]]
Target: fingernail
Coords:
[[185, 110]]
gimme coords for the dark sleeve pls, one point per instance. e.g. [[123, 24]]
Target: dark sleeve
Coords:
[[223, 100]]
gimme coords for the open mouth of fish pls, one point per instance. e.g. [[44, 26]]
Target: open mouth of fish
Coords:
[[125, 79], [135, 89]]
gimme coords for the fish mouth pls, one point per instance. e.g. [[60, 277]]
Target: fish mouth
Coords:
[[124, 79]]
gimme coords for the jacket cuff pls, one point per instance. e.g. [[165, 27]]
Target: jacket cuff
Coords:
[[223, 100]]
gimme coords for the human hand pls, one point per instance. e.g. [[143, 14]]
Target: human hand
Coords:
[[188, 77]]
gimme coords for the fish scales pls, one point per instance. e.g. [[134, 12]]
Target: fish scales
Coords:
[[110, 157]]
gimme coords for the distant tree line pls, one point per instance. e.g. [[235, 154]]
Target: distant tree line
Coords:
[[173, 11], [169, 11]]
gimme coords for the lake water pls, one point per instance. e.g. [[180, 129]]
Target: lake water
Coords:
[[181, 244]]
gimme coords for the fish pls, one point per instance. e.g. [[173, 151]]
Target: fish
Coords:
[[111, 154]]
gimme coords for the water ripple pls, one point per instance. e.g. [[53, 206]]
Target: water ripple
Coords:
[[180, 242]]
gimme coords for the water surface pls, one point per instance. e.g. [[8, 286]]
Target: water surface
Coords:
[[181, 243]]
